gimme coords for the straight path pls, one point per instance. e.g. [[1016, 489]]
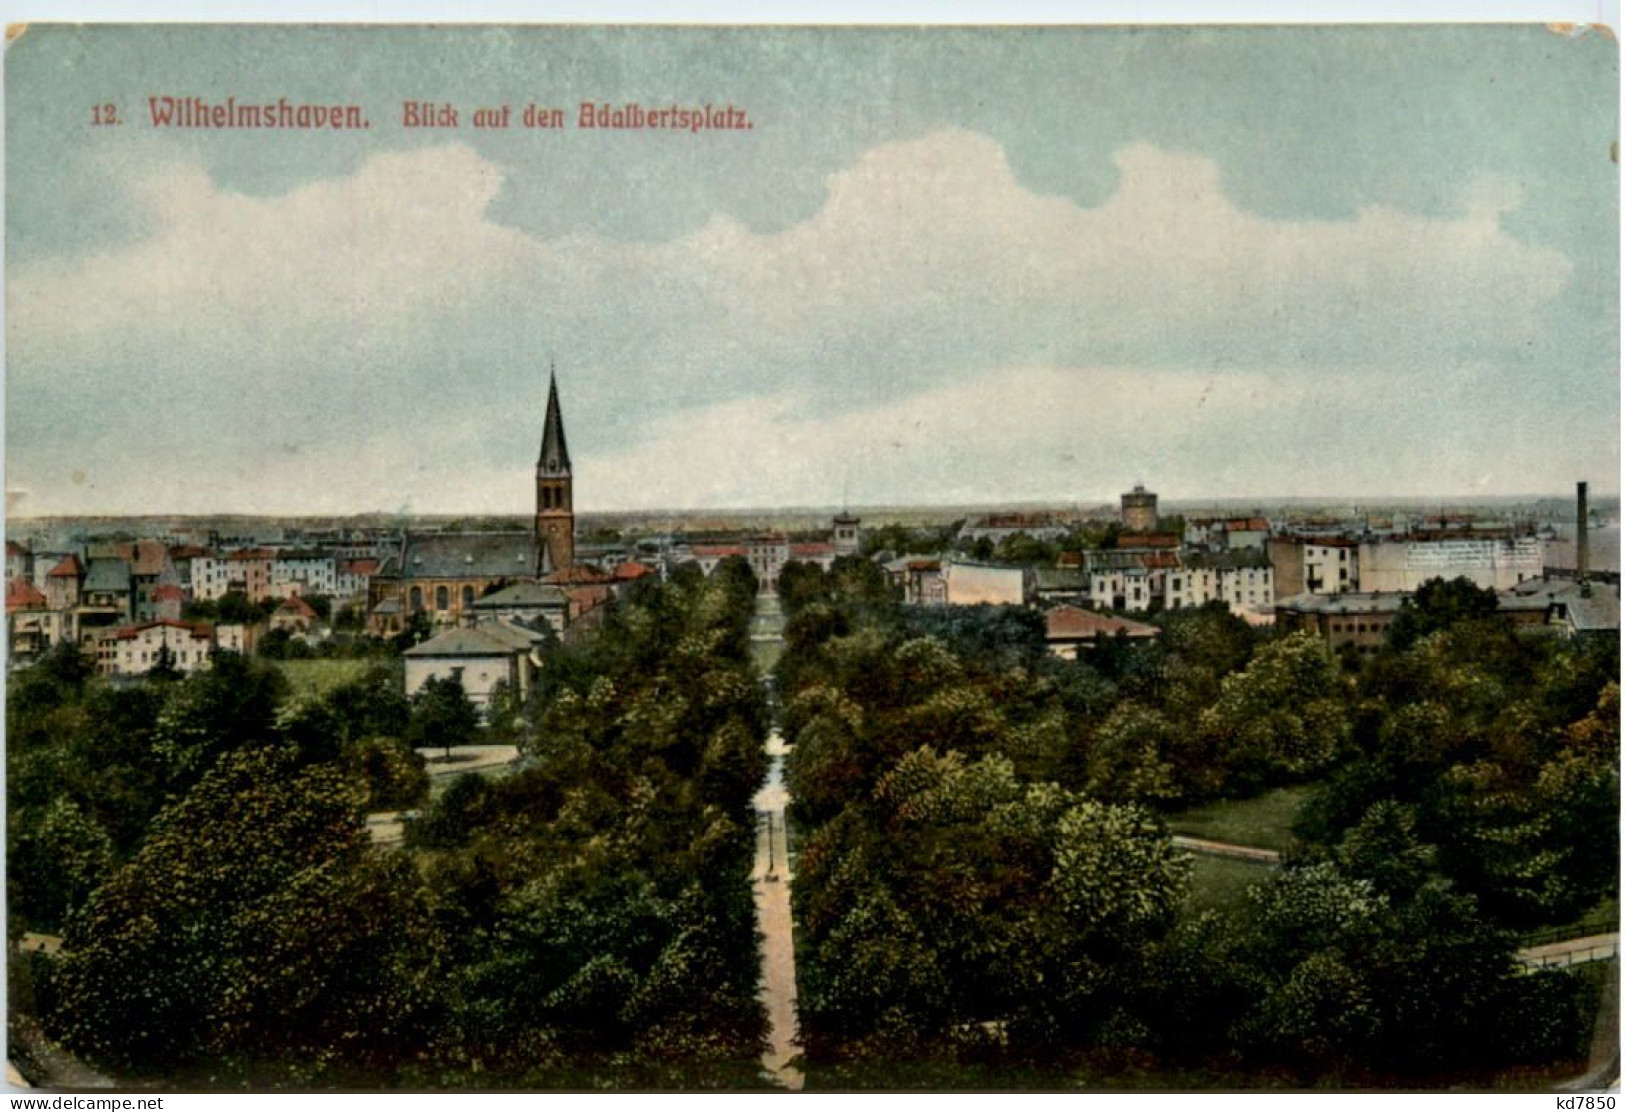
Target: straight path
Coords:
[[1570, 951], [467, 758], [770, 885], [1226, 849]]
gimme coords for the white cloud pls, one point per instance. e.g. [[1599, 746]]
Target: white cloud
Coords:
[[928, 257]]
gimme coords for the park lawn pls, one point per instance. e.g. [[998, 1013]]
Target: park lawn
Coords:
[[1264, 821], [766, 655], [1221, 883], [317, 677], [1601, 919]]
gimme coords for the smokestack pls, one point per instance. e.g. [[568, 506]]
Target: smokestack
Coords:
[[1582, 549]]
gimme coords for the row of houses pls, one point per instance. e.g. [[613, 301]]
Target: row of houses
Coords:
[[129, 574], [114, 598], [1341, 563], [1145, 579]]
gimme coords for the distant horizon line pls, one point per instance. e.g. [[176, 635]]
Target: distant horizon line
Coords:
[[1373, 501]]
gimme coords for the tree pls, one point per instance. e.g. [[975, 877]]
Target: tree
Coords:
[[370, 705], [228, 706], [1440, 604], [56, 858], [253, 933], [442, 716], [235, 608], [163, 665], [1282, 717]]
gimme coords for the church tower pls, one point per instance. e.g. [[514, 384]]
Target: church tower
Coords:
[[555, 506]]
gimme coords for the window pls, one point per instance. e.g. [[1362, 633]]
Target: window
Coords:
[[468, 598], [417, 598], [442, 598]]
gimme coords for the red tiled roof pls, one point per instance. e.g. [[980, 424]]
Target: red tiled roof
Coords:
[[1247, 525], [23, 595], [925, 565], [1074, 624], [1070, 560], [366, 566], [69, 565], [166, 592], [293, 604], [632, 569], [579, 574], [250, 554], [188, 552], [718, 550], [130, 633], [812, 548]]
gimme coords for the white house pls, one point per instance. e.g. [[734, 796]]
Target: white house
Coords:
[[133, 650], [480, 657], [297, 572]]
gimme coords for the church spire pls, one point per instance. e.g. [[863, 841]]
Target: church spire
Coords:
[[555, 457], [555, 498]]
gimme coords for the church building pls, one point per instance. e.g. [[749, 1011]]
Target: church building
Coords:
[[445, 574]]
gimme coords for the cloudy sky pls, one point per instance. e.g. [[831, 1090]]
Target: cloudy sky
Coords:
[[954, 266]]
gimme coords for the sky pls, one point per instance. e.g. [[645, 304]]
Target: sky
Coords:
[[946, 266]]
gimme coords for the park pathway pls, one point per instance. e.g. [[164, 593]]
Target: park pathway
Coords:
[[1210, 848], [770, 883], [1570, 951]]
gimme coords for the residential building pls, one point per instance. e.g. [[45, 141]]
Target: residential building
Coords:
[[108, 586], [248, 571], [303, 572], [210, 576], [168, 600], [1321, 564], [294, 616], [1002, 526], [351, 576], [1069, 630], [526, 603], [64, 583], [972, 584], [1360, 619], [19, 562], [32, 626], [134, 650]]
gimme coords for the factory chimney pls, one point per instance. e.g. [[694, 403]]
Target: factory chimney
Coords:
[[1582, 549]]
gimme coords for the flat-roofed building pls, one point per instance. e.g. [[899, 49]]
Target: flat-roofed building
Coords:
[[1360, 619]]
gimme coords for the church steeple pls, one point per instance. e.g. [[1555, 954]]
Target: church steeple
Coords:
[[555, 457], [555, 509]]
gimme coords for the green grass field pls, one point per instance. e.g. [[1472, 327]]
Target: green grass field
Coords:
[[1221, 883], [314, 677], [1264, 821], [766, 654]]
